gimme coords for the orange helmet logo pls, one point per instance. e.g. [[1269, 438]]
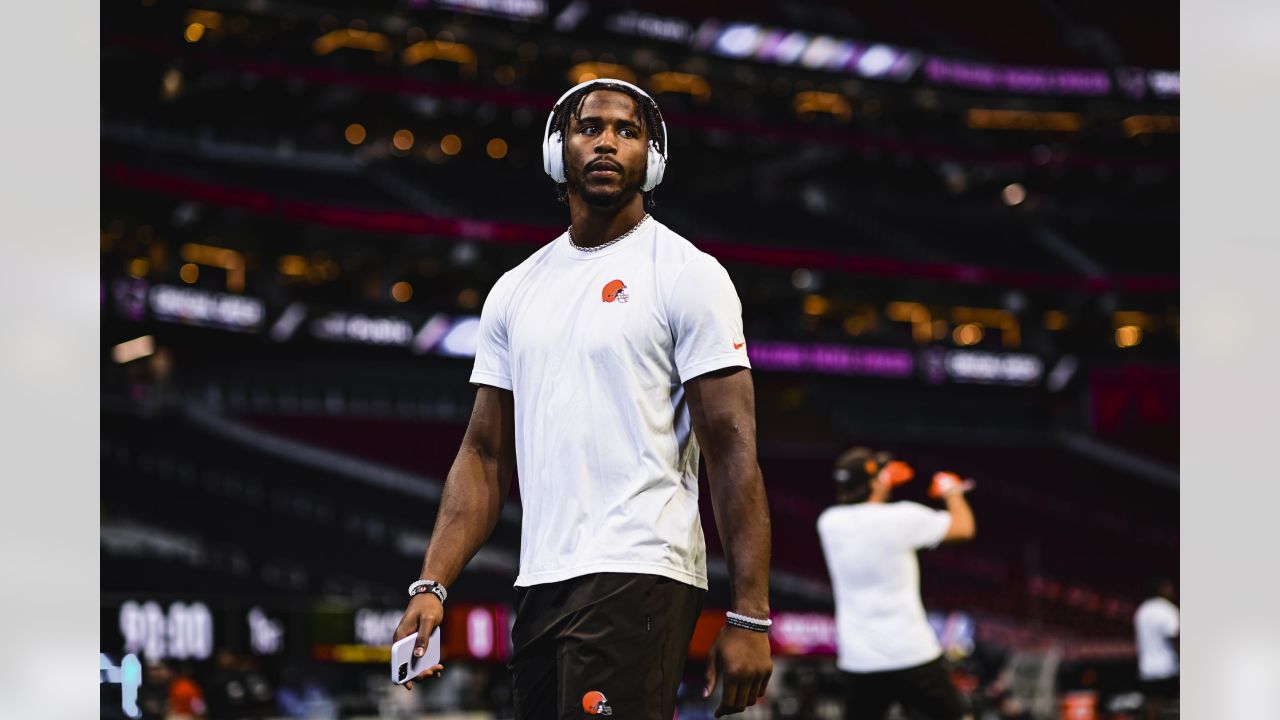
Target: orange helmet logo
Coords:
[[593, 703], [615, 290]]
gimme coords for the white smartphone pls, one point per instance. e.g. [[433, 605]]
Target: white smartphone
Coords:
[[404, 666]]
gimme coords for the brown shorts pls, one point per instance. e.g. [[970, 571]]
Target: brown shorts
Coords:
[[605, 644]]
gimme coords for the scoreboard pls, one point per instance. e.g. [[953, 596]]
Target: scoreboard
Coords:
[[194, 629]]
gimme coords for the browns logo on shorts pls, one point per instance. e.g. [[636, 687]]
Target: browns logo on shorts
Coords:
[[594, 703]]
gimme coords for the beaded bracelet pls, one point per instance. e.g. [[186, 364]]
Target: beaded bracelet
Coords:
[[747, 623]]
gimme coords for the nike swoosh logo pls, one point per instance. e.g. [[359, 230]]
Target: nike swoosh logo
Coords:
[[738, 346]]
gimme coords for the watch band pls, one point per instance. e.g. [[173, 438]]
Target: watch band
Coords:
[[430, 586]]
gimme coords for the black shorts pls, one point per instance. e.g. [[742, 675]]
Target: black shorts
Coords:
[[604, 644], [1162, 689], [924, 691]]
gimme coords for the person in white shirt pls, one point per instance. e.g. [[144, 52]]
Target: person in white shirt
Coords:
[[1156, 628], [606, 363], [886, 648]]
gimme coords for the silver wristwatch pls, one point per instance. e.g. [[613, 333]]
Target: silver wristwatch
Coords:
[[430, 586]]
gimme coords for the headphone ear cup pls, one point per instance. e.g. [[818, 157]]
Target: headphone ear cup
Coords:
[[546, 155], [655, 168], [553, 156]]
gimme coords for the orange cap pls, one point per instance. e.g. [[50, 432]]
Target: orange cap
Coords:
[[896, 472]]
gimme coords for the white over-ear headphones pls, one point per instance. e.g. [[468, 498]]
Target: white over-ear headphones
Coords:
[[553, 143]]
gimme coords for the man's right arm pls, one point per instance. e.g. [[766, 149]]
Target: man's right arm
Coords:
[[951, 488], [473, 496], [962, 527]]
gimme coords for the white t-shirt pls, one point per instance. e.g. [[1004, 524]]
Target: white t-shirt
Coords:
[[1155, 624], [871, 555], [595, 347]]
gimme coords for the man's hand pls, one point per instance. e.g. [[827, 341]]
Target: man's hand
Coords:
[[951, 488], [741, 657], [946, 484], [424, 615]]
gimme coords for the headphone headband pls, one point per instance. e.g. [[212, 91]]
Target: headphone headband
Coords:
[[602, 81]]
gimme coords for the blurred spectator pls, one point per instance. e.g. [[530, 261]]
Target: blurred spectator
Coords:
[[887, 649], [302, 696], [227, 694], [259, 693], [1156, 624], [186, 699], [153, 695]]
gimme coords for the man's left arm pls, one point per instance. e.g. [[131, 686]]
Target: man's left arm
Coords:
[[722, 409]]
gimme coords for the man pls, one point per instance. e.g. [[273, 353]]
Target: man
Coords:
[[605, 362], [886, 648], [1156, 626]]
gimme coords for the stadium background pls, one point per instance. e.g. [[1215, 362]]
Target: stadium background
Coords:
[[953, 231]]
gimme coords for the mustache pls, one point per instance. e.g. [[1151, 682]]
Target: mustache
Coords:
[[604, 164]]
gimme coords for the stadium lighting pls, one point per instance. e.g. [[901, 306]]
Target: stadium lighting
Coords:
[[354, 39], [171, 83], [292, 265], [1006, 321], [589, 70], [967, 334], [444, 50], [856, 324], [288, 322], [918, 315], [812, 101], [995, 119], [468, 299], [1136, 125], [677, 82], [1013, 194], [208, 19], [1128, 336], [816, 305], [134, 349], [219, 257]]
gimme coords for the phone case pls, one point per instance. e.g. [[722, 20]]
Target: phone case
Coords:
[[404, 666]]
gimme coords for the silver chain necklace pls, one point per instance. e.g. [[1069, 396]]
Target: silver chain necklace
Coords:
[[601, 246]]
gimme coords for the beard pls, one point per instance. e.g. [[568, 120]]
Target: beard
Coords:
[[603, 196]]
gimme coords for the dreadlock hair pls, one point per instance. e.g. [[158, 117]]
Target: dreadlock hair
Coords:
[[650, 120]]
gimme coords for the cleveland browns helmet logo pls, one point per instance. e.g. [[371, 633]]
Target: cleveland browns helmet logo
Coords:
[[593, 703], [614, 290]]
